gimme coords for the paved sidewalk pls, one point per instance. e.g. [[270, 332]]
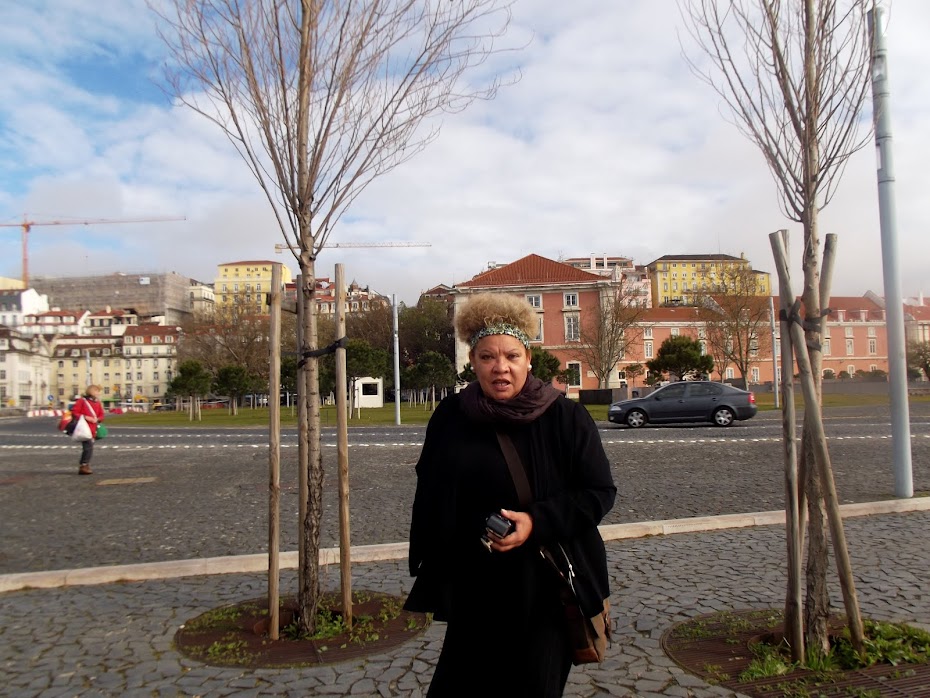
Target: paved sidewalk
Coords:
[[115, 639]]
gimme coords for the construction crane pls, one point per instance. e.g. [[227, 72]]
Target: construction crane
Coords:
[[281, 246], [27, 225]]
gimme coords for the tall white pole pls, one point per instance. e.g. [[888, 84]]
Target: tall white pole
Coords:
[[775, 384], [894, 304], [396, 363]]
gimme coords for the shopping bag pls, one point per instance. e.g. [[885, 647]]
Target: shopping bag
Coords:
[[82, 430], [101, 432], [66, 422]]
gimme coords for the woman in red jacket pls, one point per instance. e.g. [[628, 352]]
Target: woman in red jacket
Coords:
[[92, 411]]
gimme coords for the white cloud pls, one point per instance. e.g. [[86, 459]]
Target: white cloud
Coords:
[[607, 145]]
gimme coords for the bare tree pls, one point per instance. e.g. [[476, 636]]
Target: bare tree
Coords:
[[794, 74], [735, 315], [320, 97], [607, 331]]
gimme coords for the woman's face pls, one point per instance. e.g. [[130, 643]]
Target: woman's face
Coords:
[[93, 392], [501, 363]]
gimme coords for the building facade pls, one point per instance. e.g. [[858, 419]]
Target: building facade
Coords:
[[246, 283], [149, 295], [24, 370], [682, 279]]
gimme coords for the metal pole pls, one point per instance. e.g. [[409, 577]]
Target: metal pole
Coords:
[[775, 385], [396, 363], [894, 307]]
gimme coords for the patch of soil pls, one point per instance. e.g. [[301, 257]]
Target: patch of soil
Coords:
[[717, 648], [237, 635]]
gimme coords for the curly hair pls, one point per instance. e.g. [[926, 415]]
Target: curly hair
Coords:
[[484, 309]]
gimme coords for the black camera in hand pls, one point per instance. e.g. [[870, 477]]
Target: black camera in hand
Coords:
[[498, 525]]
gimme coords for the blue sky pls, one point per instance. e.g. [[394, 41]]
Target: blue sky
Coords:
[[607, 145]]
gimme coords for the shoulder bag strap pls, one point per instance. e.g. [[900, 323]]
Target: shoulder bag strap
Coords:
[[517, 471]]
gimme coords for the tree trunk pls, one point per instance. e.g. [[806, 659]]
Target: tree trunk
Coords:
[[817, 604], [309, 575]]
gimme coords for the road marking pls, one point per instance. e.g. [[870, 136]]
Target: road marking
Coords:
[[126, 481], [419, 444]]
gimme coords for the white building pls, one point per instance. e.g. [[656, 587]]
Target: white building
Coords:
[[17, 303], [24, 370]]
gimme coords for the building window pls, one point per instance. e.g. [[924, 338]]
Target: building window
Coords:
[[755, 374], [570, 300], [676, 331], [573, 369], [851, 370], [539, 332], [730, 373], [647, 349], [850, 349], [572, 330], [826, 347], [647, 333], [534, 300], [848, 331], [873, 346], [871, 331]]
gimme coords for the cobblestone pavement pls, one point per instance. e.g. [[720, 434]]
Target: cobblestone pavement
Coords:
[[173, 504], [116, 640]]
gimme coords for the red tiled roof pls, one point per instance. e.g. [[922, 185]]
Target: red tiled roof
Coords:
[[671, 314], [531, 270], [918, 312]]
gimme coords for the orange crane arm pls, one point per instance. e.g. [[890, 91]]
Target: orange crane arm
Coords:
[[27, 225]]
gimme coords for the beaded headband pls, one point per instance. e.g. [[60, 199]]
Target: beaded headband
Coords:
[[500, 328]]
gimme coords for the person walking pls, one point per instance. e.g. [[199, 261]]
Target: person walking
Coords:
[[89, 407], [499, 600]]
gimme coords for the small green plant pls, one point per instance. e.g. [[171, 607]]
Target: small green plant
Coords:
[[888, 643], [715, 673], [769, 660], [221, 617], [231, 651]]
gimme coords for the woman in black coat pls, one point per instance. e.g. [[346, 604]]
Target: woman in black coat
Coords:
[[500, 600]]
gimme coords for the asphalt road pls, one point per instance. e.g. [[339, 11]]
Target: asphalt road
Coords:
[[170, 494]]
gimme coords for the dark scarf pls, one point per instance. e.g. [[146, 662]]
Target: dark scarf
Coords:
[[523, 408]]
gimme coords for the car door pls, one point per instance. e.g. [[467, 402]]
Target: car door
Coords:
[[667, 404], [701, 399]]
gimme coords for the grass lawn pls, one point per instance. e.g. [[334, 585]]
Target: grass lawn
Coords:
[[419, 414]]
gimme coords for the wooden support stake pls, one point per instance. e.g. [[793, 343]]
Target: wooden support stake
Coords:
[[342, 447], [274, 452]]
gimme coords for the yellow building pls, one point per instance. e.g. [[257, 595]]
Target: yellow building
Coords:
[[681, 279], [246, 283]]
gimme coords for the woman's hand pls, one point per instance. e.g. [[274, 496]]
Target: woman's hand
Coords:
[[522, 527]]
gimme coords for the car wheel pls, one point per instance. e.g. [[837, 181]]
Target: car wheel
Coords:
[[723, 417], [635, 419]]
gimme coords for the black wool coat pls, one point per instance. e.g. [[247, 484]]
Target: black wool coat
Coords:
[[462, 477]]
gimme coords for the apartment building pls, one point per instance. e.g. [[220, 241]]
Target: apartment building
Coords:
[[246, 283], [682, 279], [150, 356], [24, 369], [359, 299], [16, 303]]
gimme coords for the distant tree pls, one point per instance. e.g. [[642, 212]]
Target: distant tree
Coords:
[[362, 361], [918, 357], [634, 371], [234, 382], [546, 366], [680, 355], [736, 314], [436, 371], [829, 374], [607, 331], [193, 381], [425, 327], [232, 334]]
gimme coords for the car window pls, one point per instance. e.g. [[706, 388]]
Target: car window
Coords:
[[704, 390], [673, 391]]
